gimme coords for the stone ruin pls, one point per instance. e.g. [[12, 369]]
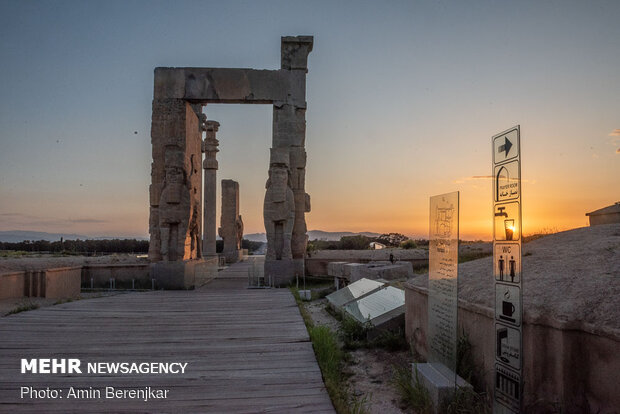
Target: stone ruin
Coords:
[[209, 148], [231, 224], [176, 247]]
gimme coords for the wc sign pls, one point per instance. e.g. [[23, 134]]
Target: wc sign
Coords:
[[507, 238]]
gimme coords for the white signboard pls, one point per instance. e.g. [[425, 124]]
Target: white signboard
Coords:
[[443, 260]]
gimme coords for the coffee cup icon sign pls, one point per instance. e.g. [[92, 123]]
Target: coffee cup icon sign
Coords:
[[508, 308]]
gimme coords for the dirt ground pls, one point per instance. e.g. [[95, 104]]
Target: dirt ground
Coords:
[[371, 370]]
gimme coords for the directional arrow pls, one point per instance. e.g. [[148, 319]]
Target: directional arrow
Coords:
[[506, 147]]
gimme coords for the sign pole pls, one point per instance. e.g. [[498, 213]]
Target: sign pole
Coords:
[[508, 281]]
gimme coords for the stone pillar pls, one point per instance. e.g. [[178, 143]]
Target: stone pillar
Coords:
[[209, 148], [231, 225], [288, 157], [175, 192]]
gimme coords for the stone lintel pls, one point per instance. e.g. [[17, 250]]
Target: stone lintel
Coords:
[[226, 85]]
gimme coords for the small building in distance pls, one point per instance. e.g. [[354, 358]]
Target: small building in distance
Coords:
[[605, 215]]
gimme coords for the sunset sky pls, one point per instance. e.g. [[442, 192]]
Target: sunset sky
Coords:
[[403, 99]]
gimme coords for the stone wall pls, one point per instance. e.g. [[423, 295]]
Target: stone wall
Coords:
[[316, 262], [12, 285], [574, 369], [571, 322], [55, 283], [98, 276], [609, 218], [63, 282], [352, 272]]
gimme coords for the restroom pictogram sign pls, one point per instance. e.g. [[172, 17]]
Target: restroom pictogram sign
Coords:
[[507, 262]]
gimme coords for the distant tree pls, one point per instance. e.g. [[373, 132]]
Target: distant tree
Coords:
[[314, 245], [81, 246], [357, 242], [408, 244], [252, 246], [392, 239]]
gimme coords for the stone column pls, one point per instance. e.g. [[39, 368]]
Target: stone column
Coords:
[[175, 221], [288, 157], [175, 191], [210, 165], [231, 226]]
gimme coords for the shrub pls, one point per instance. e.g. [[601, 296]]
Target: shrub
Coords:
[[23, 308], [413, 393], [408, 244]]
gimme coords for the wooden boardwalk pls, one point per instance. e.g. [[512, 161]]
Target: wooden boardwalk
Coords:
[[247, 351]]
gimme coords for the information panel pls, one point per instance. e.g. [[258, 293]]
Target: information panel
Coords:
[[443, 252], [507, 271]]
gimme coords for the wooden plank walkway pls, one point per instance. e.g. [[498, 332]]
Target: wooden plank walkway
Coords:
[[247, 351]]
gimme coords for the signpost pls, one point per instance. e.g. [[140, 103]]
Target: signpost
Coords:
[[507, 238]]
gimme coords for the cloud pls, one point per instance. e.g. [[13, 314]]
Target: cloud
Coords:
[[88, 221], [473, 177], [34, 221], [615, 133], [462, 180]]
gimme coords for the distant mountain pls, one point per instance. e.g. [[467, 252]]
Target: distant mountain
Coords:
[[314, 235], [256, 237], [336, 235], [16, 236]]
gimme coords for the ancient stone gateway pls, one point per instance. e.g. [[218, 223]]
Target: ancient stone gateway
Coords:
[[176, 133]]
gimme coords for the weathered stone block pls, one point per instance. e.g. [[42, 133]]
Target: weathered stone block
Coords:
[[382, 270], [179, 274], [350, 268], [12, 285], [280, 273], [169, 83], [289, 126], [295, 51], [62, 282], [205, 271], [231, 225], [439, 387], [335, 269]]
